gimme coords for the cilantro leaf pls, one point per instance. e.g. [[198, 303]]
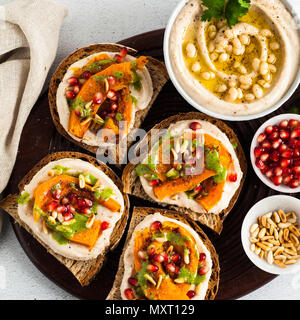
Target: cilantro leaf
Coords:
[[215, 9], [236, 9]]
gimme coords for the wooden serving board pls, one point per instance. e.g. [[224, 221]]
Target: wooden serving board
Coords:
[[238, 275]]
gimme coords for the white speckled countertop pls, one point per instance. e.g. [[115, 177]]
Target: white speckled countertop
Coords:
[[92, 21]]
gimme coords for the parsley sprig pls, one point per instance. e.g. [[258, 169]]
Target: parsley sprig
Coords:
[[231, 10]]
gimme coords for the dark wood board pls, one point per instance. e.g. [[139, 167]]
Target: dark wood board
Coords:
[[39, 138]]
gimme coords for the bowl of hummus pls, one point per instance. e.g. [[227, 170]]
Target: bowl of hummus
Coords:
[[238, 72]]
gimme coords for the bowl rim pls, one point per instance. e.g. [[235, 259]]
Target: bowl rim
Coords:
[[258, 262], [263, 178], [290, 7]]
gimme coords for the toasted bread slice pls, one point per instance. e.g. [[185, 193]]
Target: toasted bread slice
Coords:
[[156, 68], [133, 186], [84, 271], [138, 215]]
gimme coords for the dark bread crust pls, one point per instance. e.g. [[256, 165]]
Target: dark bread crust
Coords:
[[138, 215], [132, 184], [156, 68], [84, 271]]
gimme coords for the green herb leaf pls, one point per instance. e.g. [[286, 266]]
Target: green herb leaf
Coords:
[[104, 194], [215, 9], [23, 198], [99, 78], [190, 278], [61, 169], [176, 238], [234, 144], [137, 81], [134, 99], [118, 74], [236, 9], [119, 116]]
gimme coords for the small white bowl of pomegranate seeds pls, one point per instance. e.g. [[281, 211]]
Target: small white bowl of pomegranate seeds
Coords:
[[275, 153]]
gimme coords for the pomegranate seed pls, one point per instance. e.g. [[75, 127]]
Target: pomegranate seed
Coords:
[[261, 138], [155, 226], [176, 271], [258, 151], [275, 128], [269, 129], [195, 125], [57, 193], [296, 152], [259, 164], [171, 268], [123, 52], [112, 80], [198, 189], [295, 133], [287, 154], [81, 204], [151, 250], [71, 209], [297, 162], [76, 89], [133, 282], [114, 107], [118, 58], [152, 267], [70, 95], [68, 216], [297, 143], [86, 75], [158, 258], [292, 143], [266, 145], [284, 134], [277, 180], [203, 270], [269, 173], [86, 211], [202, 257], [73, 197], [296, 170], [88, 202], [98, 98], [61, 209], [233, 177], [191, 294], [104, 225], [285, 163], [78, 113], [264, 157], [142, 255], [283, 147], [276, 143], [294, 183], [284, 124], [111, 94], [274, 135], [278, 171], [72, 81], [293, 123], [275, 156], [129, 294], [264, 170], [287, 180], [176, 257], [287, 171], [65, 200], [154, 182], [165, 256], [52, 206]]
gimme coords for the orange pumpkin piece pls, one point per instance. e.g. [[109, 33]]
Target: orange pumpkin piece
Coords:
[[88, 237], [111, 204], [91, 86], [78, 71], [182, 184]]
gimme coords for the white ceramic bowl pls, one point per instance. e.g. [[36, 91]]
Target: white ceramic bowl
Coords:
[[286, 203], [263, 178], [181, 90]]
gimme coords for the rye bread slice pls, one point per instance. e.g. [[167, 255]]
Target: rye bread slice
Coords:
[[138, 215], [156, 68], [133, 186], [84, 271]]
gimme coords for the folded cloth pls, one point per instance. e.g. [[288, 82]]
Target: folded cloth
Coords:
[[29, 31]]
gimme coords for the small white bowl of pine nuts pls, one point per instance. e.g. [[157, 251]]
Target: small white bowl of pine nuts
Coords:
[[271, 234]]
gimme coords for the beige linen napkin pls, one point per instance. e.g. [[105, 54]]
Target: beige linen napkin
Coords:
[[29, 31]]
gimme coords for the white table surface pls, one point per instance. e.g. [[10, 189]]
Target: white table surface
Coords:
[[92, 21]]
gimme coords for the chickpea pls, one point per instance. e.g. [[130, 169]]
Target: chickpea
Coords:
[[266, 33], [264, 68], [272, 68], [257, 91], [228, 33], [238, 51], [211, 46], [214, 56], [240, 93], [205, 75], [212, 75], [249, 97], [223, 57], [242, 69], [272, 58], [221, 88], [268, 77], [221, 23], [236, 43], [232, 94], [245, 39], [212, 28], [191, 50], [212, 34], [232, 83], [274, 46], [229, 48], [245, 80], [196, 67], [256, 64]]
